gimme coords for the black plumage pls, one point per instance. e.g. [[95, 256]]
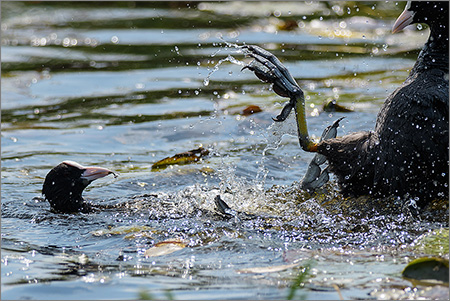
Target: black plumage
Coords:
[[64, 185], [407, 153]]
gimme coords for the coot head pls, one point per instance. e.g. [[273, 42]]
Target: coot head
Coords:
[[428, 12], [64, 185]]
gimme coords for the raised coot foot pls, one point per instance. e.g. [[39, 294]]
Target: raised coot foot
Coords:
[[268, 68]]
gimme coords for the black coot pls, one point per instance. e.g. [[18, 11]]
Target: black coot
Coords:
[[64, 185], [407, 153]]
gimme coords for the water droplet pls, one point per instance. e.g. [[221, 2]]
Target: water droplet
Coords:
[[177, 50], [115, 39]]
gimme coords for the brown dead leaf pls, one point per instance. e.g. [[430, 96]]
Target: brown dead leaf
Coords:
[[137, 235], [333, 106], [251, 109], [182, 158], [164, 248], [288, 25], [122, 230]]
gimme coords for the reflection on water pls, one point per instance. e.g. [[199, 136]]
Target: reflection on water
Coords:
[[122, 85]]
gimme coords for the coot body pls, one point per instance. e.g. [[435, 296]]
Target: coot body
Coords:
[[406, 155], [408, 152]]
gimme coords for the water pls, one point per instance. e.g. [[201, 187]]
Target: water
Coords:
[[121, 85]]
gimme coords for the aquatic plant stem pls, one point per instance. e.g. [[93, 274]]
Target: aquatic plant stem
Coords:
[[299, 281]]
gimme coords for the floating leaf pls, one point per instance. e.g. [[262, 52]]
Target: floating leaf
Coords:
[[164, 248], [434, 242], [182, 158], [427, 270], [140, 234], [252, 109], [121, 230], [333, 106], [288, 25], [267, 269], [207, 170]]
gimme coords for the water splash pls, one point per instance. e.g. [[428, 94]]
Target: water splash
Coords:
[[230, 59], [239, 50], [272, 135]]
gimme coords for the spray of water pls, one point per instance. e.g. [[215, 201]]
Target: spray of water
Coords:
[[239, 50], [272, 135], [230, 59]]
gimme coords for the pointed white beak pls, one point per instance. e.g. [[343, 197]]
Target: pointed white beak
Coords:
[[403, 20], [93, 173]]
